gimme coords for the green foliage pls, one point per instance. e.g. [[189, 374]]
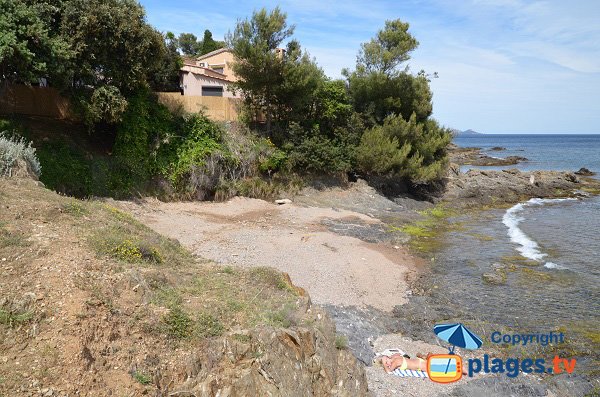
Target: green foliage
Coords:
[[376, 95], [66, 169], [390, 48], [332, 106], [165, 76], [28, 48], [97, 51], [128, 50], [189, 44], [142, 377], [209, 44], [106, 103], [14, 318], [270, 158], [318, 153], [178, 323], [15, 150], [379, 153], [259, 67], [403, 141], [416, 151], [296, 93], [258, 187]]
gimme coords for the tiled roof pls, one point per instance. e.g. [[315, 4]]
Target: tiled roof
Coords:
[[215, 52]]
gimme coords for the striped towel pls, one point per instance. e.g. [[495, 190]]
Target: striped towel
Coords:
[[410, 373]]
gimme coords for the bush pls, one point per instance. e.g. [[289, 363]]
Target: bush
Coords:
[[409, 149], [14, 151], [66, 169], [380, 154], [314, 151]]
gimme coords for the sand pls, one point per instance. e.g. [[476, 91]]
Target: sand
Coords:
[[334, 269]]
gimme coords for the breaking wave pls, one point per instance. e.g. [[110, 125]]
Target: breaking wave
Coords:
[[528, 247]]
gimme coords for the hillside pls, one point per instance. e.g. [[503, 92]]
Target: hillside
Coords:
[[94, 303]]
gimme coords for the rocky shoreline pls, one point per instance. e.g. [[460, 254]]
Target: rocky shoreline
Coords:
[[475, 156]]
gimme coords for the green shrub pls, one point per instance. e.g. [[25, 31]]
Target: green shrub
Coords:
[[12, 318], [380, 154], [408, 149], [142, 377], [316, 152], [105, 103], [66, 169], [270, 158], [341, 342], [13, 150], [208, 325], [178, 323]]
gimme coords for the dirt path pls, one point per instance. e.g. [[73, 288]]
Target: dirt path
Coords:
[[334, 269]]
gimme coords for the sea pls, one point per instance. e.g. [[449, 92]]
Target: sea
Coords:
[[544, 252]]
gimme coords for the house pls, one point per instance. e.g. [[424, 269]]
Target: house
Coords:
[[208, 75]]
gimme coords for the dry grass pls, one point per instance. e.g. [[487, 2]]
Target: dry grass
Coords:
[[93, 268]]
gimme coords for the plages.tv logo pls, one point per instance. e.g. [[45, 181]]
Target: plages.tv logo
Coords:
[[447, 368]]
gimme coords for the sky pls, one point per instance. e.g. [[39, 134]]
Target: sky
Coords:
[[504, 66]]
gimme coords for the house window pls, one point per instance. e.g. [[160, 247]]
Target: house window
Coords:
[[212, 91], [220, 70]]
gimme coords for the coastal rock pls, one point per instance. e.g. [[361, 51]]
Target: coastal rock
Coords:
[[292, 362], [584, 172], [498, 148], [494, 278], [474, 156], [487, 161], [507, 186]]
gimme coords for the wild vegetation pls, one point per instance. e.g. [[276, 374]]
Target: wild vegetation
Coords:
[[375, 123], [106, 305]]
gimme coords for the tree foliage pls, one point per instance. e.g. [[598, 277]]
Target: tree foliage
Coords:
[[409, 149], [29, 49], [209, 44], [390, 48], [403, 140], [97, 51], [165, 77], [259, 67], [189, 44]]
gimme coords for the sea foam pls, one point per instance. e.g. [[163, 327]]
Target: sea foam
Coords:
[[527, 246]]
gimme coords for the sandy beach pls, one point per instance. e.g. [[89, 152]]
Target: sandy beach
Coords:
[[338, 271]]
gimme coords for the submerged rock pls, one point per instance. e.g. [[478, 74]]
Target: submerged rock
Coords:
[[494, 278], [584, 172]]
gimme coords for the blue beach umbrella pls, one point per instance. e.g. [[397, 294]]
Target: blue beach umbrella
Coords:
[[457, 335]]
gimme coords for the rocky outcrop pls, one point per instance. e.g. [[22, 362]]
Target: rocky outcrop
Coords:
[[474, 156], [507, 186], [584, 172], [274, 362]]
